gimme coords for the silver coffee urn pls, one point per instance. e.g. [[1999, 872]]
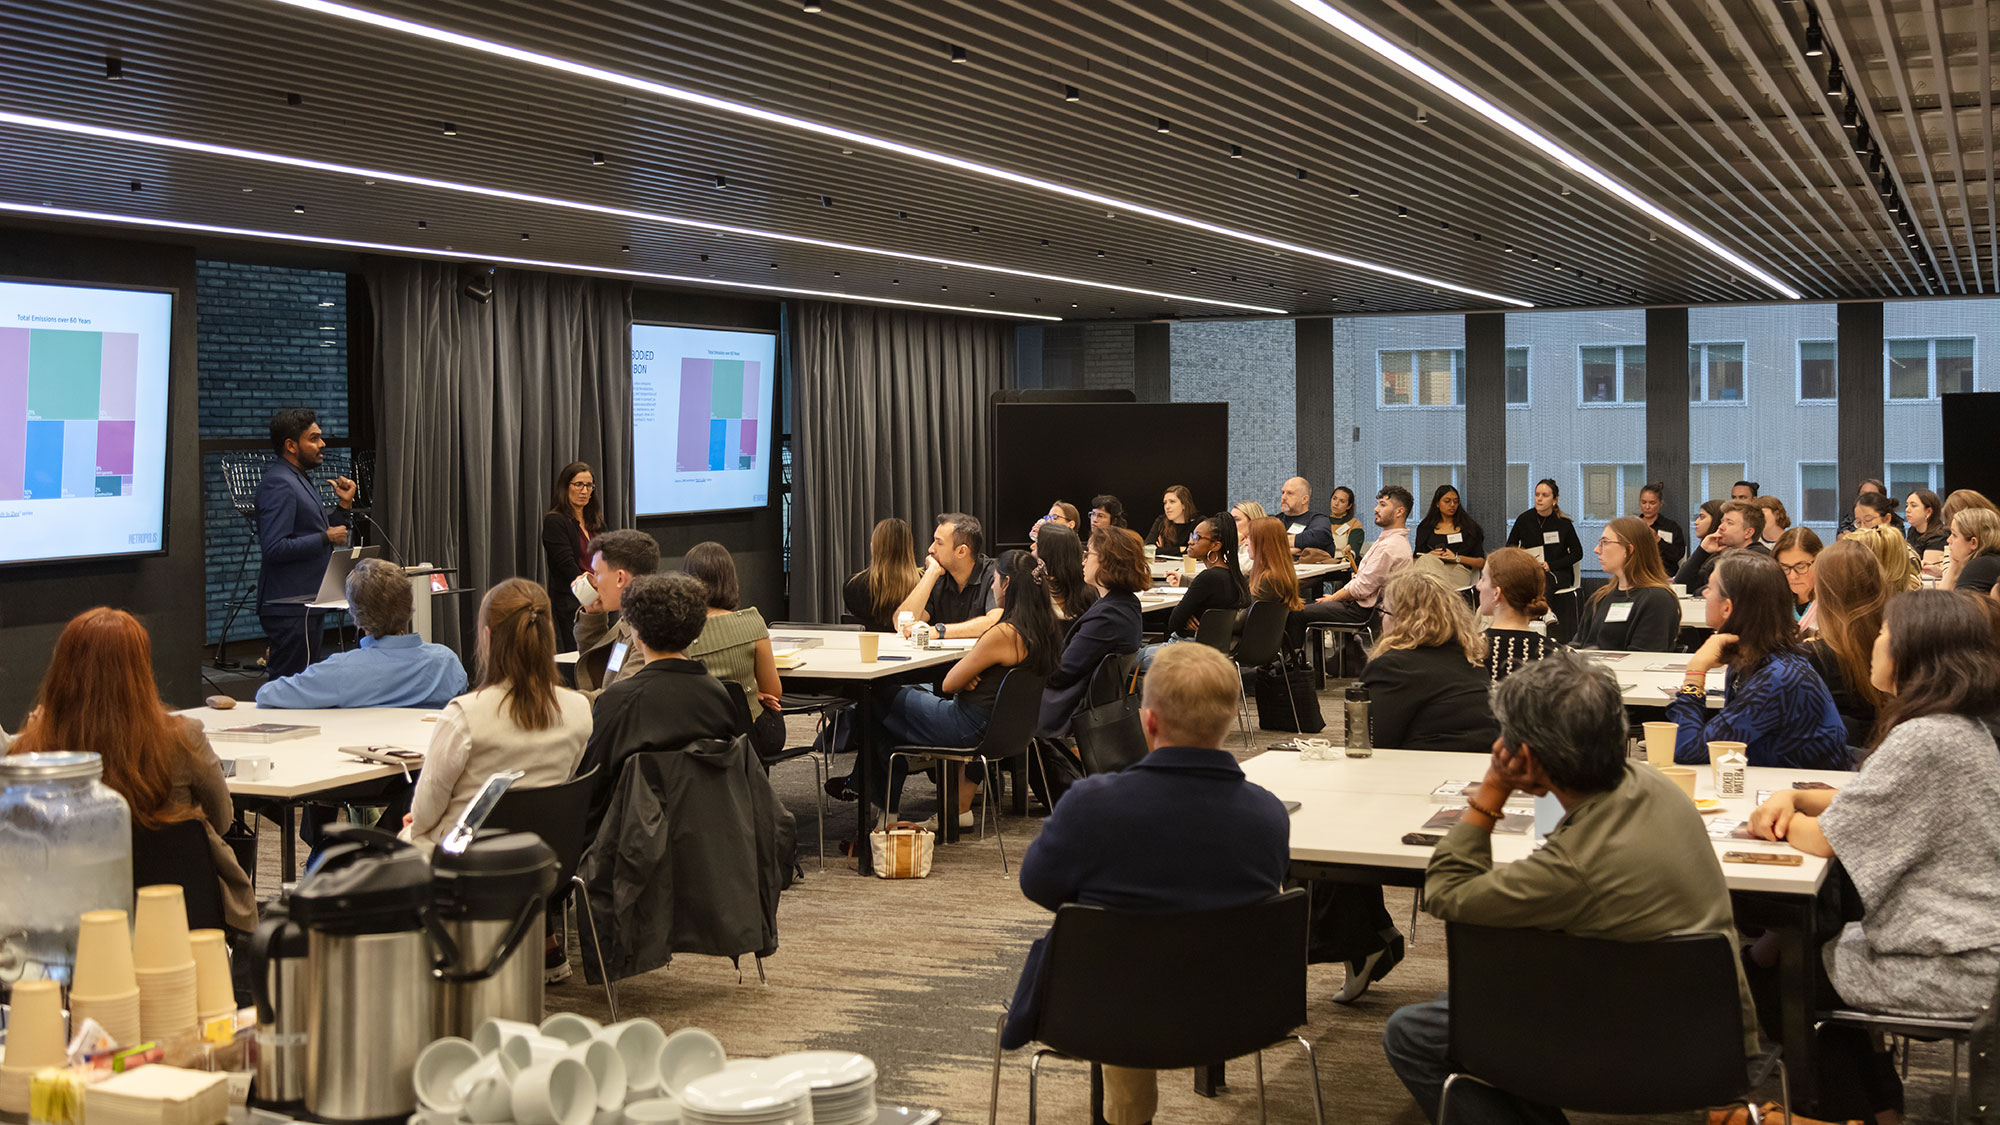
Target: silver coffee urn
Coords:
[[489, 897]]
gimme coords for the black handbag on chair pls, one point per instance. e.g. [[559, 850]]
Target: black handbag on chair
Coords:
[[1106, 727], [1275, 707]]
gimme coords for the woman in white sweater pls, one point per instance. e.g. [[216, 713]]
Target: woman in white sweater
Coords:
[[518, 718]]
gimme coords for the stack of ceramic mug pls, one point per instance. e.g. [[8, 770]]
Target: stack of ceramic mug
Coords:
[[163, 960], [104, 986], [35, 1039]]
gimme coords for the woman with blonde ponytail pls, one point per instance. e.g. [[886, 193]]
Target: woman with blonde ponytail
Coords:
[[520, 717]]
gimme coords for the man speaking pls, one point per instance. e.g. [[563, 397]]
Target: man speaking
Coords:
[[297, 539]]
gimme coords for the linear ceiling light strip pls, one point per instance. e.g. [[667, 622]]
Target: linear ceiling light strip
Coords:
[[157, 141], [495, 259], [1437, 80], [656, 89]]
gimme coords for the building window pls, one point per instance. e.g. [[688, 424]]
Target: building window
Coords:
[[1610, 491], [1819, 492], [1912, 363], [1612, 374], [1906, 477], [1421, 480], [1517, 377], [1714, 480], [1520, 490], [1816, 370], [1715, 373], [1423, 377]]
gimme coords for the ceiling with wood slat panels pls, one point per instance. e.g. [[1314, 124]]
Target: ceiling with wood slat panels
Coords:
[[1245, 122]]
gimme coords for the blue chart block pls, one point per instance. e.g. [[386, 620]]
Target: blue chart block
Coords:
[[718, 433], [43, 480]]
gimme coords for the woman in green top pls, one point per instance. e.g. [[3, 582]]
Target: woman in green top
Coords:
[[735, 646]]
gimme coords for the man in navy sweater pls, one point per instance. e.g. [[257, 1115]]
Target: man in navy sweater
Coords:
[[1305, 529], [1181, 829], [297, 538]]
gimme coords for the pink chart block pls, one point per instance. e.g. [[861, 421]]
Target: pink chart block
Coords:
[[118, 394], [114, 448], [13, 411]]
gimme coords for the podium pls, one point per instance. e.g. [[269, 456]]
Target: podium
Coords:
[[421, 593]]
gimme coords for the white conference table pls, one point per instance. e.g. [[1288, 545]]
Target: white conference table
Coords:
[[1650, 679], [1307, 572], [1353, 813], [307, 768]]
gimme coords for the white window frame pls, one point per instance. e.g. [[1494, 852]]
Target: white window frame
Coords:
[[1458, 474], [1529, 403], [1583, 488], [1936, 474], [1799, 373], [1931, 360], [1705, 400], [1707, 465], [1381, 397], [1799, 482], [1618, 403]]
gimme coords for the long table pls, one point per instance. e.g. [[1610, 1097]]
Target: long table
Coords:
[[309, 769], [1353, 813], [836, 660], [1650, 679]]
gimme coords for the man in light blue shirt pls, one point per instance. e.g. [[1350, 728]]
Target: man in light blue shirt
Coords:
[[392, 668]]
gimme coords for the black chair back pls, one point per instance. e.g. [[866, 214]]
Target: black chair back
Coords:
[[1596, 1026], [556, 813], [1263, 635], [1168, 991], [178, 854], [1218, 629], [1017, 709]]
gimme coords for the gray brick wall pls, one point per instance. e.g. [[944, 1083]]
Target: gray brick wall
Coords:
[[1107, 357], [265, 338], [1251, 365]]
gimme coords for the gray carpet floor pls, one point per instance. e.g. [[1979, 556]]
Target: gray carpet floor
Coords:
[[914, 974]]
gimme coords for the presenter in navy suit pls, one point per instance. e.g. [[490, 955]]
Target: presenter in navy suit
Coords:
[[297, 539]]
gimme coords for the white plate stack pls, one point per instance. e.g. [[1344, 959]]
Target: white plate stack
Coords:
[[842, 1083], [745, 1097]]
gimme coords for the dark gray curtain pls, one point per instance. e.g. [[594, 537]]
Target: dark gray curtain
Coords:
[[889, 418], [477, 407]]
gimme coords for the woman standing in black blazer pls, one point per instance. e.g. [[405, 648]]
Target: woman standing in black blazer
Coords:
[[575, 514], [1545, 532]]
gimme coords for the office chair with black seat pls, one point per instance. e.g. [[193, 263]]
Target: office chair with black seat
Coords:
[[1120, 988], [557, 814], [1009, 733], [1625, 1027]]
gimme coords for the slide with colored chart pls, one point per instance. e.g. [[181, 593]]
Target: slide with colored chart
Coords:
[[701, 418], [83, 421]]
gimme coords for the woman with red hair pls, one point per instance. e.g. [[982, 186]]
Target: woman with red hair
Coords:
[[98, 696]]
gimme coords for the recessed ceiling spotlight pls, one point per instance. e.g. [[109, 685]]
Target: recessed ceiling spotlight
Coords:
[[1191, 269], [1534, 257], [298, 208], [596, 159], [1507, 247], [295, 99], [895, 281], [836, 273], [1100, 253], [1422, 117], [1302, 173], [1149, 261], [524, 236], [1861, 140], [625, 249], [1072, 304], [1402, 212], [774, 265], [1895, 205], [249, 189], [1072, 94], [1442, 225], [991, 293], [946, 288], [448, 129], [1045, 242], [422, 225], [826, 201], [958, 54], [1476, 236], [136, 185], [1160, 125], [1815, 38], [722, 181], [114, 68], [1564, 189], [1235, 152], [1652, 236], [1850, 115], [902, 214], [812, 7], [1836, 81]]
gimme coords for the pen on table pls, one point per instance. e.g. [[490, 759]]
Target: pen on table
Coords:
[[892, 658]]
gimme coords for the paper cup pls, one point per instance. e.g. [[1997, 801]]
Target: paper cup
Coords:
[[557, 1092], [103, 957], [35, 1037], [1683, 777], [571, 1028], [167, 1005], [117, 1015], [160, 929], [871, 647], [1722, 746], [1660, 743], [639, 1042], [438, 1068], [214, 992], [607, 1071]]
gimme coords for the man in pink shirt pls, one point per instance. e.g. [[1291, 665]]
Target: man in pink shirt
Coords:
[[1359, 602]]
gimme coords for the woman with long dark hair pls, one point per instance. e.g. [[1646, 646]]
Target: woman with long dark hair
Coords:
[[1116, 566], [520, 717], [735, 645], [959, 710], [1061, 556], [1449, 532], [1169, 534], [1914, 831], [575, 514], [1926, 529], [1850, 597], [1772, 701], [98, 695], [872, 595], [1706, 519], [1546, 532]]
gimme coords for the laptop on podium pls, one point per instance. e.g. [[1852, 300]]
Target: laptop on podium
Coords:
[[333, 584]]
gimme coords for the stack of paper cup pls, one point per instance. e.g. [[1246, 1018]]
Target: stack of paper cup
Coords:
[[104, 987], [35, 1039], [215, 994], [163, 959]]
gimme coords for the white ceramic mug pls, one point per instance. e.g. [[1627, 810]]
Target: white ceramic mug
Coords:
[[584, 589], [571, 1028], [254, 767], [557, 1092], [607, 1071], [438, 1068], [638, 1042]]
